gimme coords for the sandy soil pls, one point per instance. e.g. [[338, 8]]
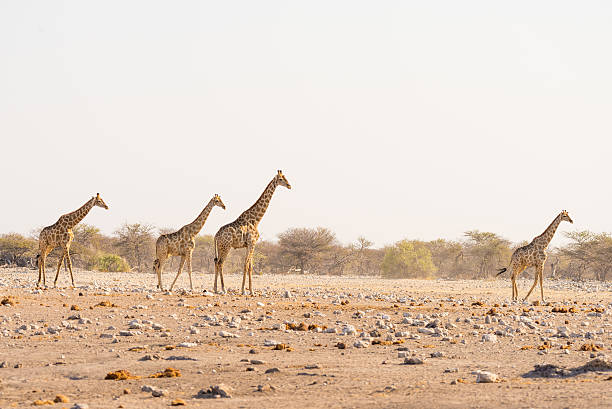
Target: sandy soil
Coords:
[[64, 341]]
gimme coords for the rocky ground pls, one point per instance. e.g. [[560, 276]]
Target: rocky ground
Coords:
[[302, 341]]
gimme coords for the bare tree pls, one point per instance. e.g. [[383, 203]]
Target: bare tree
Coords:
[[305, 248], [135, 242]]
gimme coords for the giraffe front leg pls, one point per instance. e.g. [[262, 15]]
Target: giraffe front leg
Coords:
[[244, 273], [189, 270], [179, 271], [251, 277], [68, 261], [248, 268], [59, 265], [541, 270]]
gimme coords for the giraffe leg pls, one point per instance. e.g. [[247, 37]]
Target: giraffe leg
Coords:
[[251, 276], [244, 273], [535, 282], [44, 268], [179, 271], [189, 270], [222, 252], [221, 278], [248, 260], [516, 271], [59, 265], [68, 261], [160, 268], [216, 274], [541, 285], [40, 269]]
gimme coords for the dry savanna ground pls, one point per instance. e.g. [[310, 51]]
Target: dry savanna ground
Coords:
[[302, 341]]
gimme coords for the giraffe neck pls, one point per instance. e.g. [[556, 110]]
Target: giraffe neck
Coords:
[[195, 226], [255, 213], [544, 239], [72, 219]]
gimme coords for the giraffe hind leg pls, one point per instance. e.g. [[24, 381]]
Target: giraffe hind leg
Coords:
[[179, 271], [535, 282]]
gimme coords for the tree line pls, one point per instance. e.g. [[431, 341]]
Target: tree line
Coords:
[[587, 255]]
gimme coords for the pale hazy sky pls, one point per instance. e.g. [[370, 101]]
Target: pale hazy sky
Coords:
[[391, 119]]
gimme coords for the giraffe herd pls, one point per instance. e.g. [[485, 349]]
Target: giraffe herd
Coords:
[[243, 233]]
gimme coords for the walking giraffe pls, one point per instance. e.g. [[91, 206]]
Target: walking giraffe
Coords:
[[533, 255], [181, 243], [60, 234], [242, 232]]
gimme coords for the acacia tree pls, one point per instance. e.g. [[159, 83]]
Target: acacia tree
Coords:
[[446, 255], [17, 249], [306, 248], [588, 252], [488, 250], [135, 242]]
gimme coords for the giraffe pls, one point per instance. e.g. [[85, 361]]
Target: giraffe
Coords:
[[533, 255], [242, 232], [60, 234], [181, 243]]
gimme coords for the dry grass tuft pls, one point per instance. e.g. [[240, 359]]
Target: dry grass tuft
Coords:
[[590, 347], [167, 373], [564, 310], [61, 399], [39, 402], [120, 375], [8, 301], [105, 303]]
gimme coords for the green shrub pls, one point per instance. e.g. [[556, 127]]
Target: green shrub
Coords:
[[110, 263], [408, 259]]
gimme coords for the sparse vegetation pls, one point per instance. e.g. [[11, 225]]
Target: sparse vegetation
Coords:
[[477, 255]]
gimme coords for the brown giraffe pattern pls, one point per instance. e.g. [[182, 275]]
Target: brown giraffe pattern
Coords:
[[181, 243], [242, 232], [60, 234], [533, 255]]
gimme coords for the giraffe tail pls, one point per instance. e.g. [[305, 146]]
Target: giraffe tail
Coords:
[[503, 270]]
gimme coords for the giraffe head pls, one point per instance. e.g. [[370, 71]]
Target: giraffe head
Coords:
[[566, 216], [282, 180], [218, 202], [99, 202]]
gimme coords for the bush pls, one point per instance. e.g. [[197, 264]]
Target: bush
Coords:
[[110, 263], [408, 259]]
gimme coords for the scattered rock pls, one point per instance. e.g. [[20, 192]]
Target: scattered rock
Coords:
[[413, 361], [486, 377], [217, 391]]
